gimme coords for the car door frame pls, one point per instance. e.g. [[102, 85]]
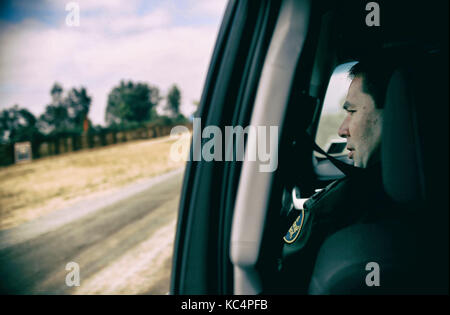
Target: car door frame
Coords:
[[201, 263]]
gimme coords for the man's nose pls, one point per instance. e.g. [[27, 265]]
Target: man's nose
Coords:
[[343, 129]]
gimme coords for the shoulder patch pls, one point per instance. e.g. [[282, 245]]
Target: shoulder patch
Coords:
[[295, 229]]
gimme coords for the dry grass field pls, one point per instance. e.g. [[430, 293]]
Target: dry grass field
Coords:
[[30, 190]]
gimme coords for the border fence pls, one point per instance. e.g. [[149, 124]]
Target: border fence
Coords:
[[55, 144]]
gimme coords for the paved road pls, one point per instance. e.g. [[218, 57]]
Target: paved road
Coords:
[[121, 241]]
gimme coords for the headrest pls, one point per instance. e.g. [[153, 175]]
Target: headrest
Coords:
[[415, 130]]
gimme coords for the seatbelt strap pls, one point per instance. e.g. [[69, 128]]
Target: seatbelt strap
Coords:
[[343, 167]]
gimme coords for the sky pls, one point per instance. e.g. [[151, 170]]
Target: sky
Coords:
[[159, 42]]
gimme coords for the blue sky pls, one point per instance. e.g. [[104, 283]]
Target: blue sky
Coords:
[[160, 42], [49, 12]]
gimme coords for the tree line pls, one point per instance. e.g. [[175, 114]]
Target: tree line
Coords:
[[129, 105]]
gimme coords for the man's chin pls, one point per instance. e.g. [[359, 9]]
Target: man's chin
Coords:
[[351, 157], [356, 162]]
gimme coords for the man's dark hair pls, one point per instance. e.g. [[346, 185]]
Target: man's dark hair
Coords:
[[376, 70]]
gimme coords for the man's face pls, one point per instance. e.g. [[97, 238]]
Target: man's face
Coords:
[[362, 125]]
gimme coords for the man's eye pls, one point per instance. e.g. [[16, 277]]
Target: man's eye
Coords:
[[351, 112]]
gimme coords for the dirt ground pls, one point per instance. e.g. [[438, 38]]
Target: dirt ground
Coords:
[[123, 248], [31, 190]]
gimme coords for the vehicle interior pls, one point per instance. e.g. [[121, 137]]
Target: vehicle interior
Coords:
[[271, 66]]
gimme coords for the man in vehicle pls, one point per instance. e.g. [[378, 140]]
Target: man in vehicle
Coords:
[[363, 122], [358, 197]]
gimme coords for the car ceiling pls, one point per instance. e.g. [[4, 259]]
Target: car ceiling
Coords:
[[401, 23]]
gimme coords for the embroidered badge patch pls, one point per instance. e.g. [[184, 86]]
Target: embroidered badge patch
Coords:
[[295, 229]]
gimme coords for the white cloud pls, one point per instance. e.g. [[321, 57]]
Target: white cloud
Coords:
[[125, 23], [106, 6], [209, 7], [100, 53]]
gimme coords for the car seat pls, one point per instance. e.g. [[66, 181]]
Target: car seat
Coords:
[[410, 243]]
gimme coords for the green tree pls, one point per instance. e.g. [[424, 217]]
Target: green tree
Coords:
[[55, 118], [56, 115], [65, 112], [174, 101], [131, 102], [78, 103], [17, 124]]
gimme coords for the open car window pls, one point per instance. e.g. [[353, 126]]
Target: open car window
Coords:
[[332, 112]]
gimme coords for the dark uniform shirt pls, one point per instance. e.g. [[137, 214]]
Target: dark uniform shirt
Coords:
[[353, 199]]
